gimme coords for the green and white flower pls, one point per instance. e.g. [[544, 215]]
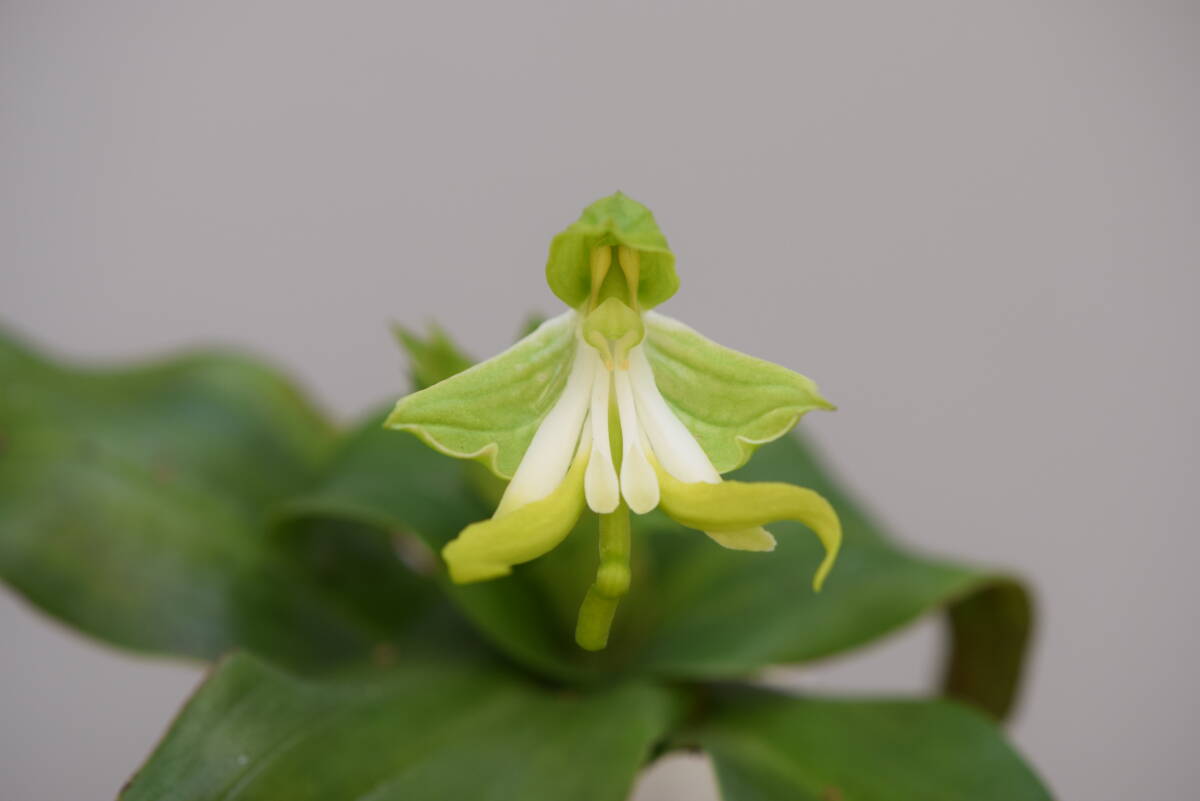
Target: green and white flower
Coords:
[[615, 408]]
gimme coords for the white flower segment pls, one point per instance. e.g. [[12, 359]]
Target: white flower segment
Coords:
[[549, 453], [650, 431]]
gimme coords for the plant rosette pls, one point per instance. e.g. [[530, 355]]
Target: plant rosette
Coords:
[[379, 614]]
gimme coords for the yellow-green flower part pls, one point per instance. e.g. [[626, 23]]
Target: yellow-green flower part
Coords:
[[615, 408]]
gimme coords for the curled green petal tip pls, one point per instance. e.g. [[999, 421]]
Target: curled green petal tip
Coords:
[[739, 507], [580, 257]]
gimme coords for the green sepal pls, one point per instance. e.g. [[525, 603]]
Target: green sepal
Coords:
[[491, 411], [488, 549], [737, 506], [614, 220], [731, 402]]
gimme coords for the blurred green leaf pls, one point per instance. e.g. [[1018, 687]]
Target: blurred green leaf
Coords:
[[989, 633], [716, 613], [418, 731], [767, 746], [132, 504]]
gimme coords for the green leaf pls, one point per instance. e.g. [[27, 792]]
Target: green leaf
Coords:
[[131, 506], [418, 731], [491, 411], [731, 402], [989, 632], [771, 747], [716, 613], [613, 220]]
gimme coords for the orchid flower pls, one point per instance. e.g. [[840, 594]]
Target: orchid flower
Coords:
[[615, 408]]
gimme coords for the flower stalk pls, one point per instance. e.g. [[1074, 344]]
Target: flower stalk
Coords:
[[611, 584]]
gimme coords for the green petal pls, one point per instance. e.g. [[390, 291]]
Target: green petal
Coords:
[[736, 506], [491, 411], [614, 220], [488, 549], [731, 402]]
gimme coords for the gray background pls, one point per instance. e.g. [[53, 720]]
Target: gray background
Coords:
[[975, 225]]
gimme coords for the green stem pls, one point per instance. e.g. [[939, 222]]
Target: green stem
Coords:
[[612, 581]]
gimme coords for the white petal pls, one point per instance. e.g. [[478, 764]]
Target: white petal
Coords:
[[639, 484], [600, 481], [549, 453], [674, 446], [679, 453]]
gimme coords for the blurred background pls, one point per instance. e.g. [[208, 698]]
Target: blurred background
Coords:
[[974, 224]]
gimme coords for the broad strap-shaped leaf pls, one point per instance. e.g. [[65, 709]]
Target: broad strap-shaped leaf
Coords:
[[491, 411], [131, 507], [429, 731], [767, 746], [731, 402], [722, 614]]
